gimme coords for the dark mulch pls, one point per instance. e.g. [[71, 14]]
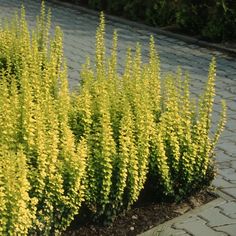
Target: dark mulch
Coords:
[[142, 217]]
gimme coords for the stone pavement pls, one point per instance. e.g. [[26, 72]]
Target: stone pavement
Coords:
[[79, 27]]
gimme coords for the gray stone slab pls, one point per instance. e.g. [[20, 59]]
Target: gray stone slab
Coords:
[[233, 164], [214, 217], [197, 227], [224, 165], [228, 147], [229, 229], [221, 156], [230, 191], [229, 209], [220, 183], [165, 231], [228, 174]]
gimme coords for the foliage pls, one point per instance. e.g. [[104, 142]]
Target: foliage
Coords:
[[212, 20], [42, 169], [191, 15], [222, 23], [99, 146], [141, 128]]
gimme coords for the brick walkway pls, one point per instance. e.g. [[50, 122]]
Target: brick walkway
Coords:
[[79, 27]]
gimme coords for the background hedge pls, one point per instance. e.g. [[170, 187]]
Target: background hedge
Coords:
[[213, 20]]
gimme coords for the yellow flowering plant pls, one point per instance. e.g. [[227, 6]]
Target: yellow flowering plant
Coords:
[[41, 166], [101, 146], [141, 129]]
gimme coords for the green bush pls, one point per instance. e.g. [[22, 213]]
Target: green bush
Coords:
[[214, 20], [152, 12], [141, 128], [42, 169], [208, 19], [191, 15], [221, 21]]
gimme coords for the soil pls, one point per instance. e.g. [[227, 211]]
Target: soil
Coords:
[[142, 217]]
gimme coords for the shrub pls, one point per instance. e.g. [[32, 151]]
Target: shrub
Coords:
[[152, 12], [191, 15], [182, 149], [208, 19], [221, 21], [102, 144], [141, 128], [214, 20], [17, 209], [42, 169]]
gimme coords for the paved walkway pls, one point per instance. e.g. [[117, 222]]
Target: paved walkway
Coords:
[[218, 217]]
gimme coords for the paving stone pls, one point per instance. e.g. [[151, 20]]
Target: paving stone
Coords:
[[229, 209], [227, 132], [214, 217], [224, 165], [233, 164], [231, 104], [230, 191], [165, 231], [219, 182], [227, 95], [228, 174], [229, 147], [229, 229], [221, 156], [197, 227]]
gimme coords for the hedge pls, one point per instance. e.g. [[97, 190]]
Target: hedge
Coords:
[[207, 19], [98, 147]]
